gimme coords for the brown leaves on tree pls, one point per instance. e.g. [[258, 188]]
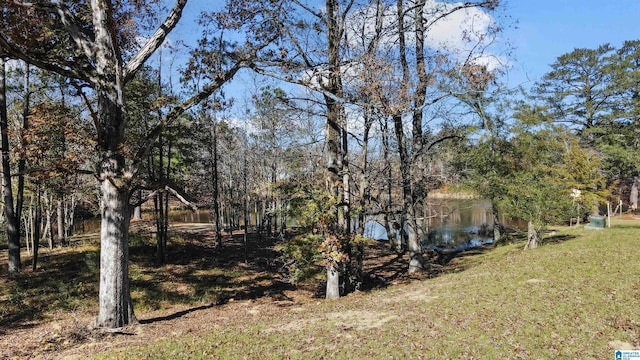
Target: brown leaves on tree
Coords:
[[50, 144]]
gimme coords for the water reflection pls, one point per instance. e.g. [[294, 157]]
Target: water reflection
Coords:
[[188, 216], [449, 224], [458, 224]]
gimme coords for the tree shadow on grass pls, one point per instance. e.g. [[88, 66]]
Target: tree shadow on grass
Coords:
[[176, 315], [557, 239], [63, 281], [198, 273], [383, 266]]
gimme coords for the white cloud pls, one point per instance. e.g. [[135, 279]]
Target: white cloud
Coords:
[[466, 33], [457, 30]]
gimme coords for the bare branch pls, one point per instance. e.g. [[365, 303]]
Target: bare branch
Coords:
[[308, 9], [170, 190], [155, 41], [221, 79]]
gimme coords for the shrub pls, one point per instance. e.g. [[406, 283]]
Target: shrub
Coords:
[[300, 257]]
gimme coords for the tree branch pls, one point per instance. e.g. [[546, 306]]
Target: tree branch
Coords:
[[170, 190], [70, 22], [12, 51], [155, 41], [220, 80]]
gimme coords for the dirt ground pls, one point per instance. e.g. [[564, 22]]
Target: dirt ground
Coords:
[[71, 335]]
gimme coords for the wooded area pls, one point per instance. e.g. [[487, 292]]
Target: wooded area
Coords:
[[354, 113]]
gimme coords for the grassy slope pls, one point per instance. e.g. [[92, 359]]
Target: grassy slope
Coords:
[[567, 299]]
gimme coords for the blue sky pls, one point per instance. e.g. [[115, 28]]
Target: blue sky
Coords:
[[542, 30], [548, 29]]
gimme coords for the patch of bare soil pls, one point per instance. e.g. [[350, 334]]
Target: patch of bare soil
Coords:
[[70, 335]]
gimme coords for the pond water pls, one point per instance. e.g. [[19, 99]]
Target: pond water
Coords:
[[451, 224], [459, 224]]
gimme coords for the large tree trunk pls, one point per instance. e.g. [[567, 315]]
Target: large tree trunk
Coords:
[[116, 309], [13, 231]]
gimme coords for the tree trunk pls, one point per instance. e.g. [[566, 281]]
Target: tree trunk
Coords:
[[532, 236], [408, 216], [497, 228], [246, 205], [36, 228], [13, 231], [60, 218], [47, 227], [137, 213], [116, 309], [215, 185], [335, 143], [160, 207], [364, 180], [165, 223], [22, 162], [633, 196], [418, 189], [157, 207], [408, 224], [27, 223], [388, 224], [333, 282], [69, 216]]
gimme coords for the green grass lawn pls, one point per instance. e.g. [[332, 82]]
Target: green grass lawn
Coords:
[[575, 297]]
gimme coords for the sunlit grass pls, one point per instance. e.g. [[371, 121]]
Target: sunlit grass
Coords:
[[571, 298]]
